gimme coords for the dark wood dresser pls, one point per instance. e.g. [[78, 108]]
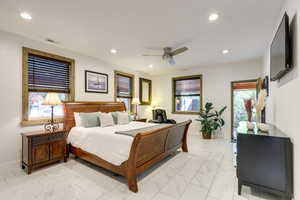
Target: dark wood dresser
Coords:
[[40, 149], [265, 161]]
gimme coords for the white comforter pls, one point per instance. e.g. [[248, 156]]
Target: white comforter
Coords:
[[103, 142]]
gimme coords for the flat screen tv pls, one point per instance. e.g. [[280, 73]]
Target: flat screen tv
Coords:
[[280, 51]]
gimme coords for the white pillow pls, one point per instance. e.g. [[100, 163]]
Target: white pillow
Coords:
[[77, 119], [123, 118], [106, 119]]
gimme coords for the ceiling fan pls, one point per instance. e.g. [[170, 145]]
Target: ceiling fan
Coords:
[[169, 54]]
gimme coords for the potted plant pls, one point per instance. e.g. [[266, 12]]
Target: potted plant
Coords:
[[211, 120]]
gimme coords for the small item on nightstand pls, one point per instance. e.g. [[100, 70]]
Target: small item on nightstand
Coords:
[[52, 100]]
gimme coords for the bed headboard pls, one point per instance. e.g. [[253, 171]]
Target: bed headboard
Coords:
[[88, 106]]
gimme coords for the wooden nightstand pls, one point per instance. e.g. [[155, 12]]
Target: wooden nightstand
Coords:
[[40, 148], [141, 120]]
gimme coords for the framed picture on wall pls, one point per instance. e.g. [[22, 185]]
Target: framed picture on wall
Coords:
[[145, 91], [96, 82]]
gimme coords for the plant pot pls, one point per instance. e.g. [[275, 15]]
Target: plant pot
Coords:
[[206, 136]]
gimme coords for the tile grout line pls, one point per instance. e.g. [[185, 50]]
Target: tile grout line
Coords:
[[219, 166]]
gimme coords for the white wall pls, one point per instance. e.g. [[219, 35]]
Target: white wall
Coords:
[[11, 88], [216, 87], [283, 107]]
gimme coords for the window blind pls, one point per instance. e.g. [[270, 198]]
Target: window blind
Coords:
[[47, 75], [188, 87]]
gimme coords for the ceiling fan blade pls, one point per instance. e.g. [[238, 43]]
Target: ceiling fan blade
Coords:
[[150, 55], [171, 61], [179, 51]]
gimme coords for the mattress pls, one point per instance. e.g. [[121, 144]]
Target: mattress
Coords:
[[104, 143]]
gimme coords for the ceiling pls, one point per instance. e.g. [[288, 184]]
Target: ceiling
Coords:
[[136, 27]]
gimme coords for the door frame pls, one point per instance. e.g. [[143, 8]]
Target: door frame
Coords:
[[232, 109]]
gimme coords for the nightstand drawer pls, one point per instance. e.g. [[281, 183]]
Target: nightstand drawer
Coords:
[[40, 140], [57, 136]]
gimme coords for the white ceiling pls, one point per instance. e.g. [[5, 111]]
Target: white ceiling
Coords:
[[136, 27]]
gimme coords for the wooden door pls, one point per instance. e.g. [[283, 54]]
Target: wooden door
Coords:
[[41, 153], [58, 149]]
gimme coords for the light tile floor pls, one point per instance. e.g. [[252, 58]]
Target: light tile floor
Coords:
[[205, 173]]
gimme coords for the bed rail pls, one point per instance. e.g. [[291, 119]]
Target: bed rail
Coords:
[[150, 147]]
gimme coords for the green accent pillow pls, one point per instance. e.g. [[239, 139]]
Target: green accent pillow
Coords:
[[90, 119]]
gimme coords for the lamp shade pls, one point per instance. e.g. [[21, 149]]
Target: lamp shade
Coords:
[[154, 104], [136, 101], [52, 99]]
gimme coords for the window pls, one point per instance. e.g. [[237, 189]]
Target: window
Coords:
[[43, 73], [124, 88], [187, 94]]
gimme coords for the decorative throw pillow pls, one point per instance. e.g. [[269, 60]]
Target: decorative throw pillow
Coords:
[[115, 116], [89, 119], [123, 118], [77, 119], [106, 119]]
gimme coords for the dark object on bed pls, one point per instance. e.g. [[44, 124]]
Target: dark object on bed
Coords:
[[147, 149], [160, 116]]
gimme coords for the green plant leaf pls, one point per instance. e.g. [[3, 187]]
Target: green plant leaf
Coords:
[[222, 122], [222, 110], [208, 107]]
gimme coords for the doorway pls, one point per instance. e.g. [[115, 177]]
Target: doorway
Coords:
[[243, 94]]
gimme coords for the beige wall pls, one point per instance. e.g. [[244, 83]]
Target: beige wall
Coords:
[[11, 88], [283, 103], [216, 88]]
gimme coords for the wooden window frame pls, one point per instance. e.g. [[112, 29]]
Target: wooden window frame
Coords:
[[132, 85], [25, 93], [174, 93]]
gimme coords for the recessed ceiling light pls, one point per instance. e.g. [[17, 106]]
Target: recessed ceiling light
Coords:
[[213, 17], [225, 51], [150, 66], [26, 16], [113, 51]]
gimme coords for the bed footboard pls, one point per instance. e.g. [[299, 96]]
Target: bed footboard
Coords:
[[148, 148]]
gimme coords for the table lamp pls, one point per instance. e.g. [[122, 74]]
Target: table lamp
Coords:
[[136, 102], [154, 104], [52, 100]]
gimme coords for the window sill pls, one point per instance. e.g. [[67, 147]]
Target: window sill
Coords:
[[185, 113], [37, 122]]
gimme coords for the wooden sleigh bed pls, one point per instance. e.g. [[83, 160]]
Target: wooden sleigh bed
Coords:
[[148, 148]]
